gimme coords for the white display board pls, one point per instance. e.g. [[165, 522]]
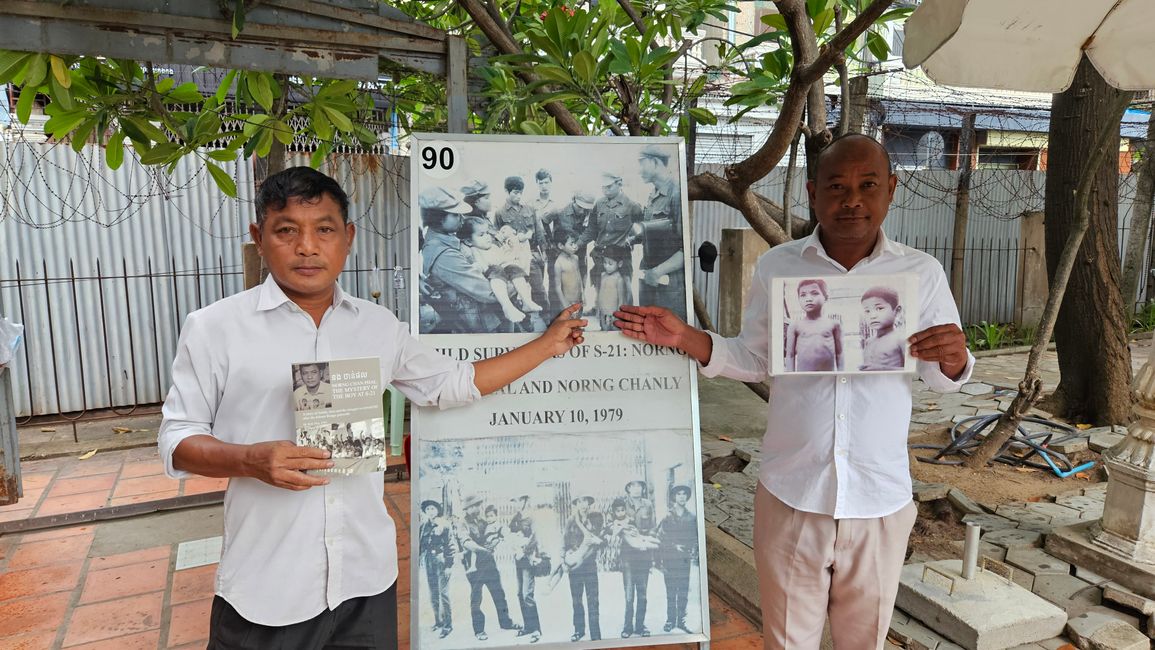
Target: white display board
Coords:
[[566, 509]]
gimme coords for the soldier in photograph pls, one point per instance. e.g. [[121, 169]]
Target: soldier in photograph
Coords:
[[678, 533], [637, 557], [530, 563], [435, 539], [544, 203], [455, 288], [580, 544], [525, 221], [613, 217], [574, 219], [475, 536], [663, 279], [478, 198]]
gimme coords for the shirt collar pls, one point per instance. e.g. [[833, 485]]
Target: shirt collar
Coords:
[[884, 246], [272, 296]]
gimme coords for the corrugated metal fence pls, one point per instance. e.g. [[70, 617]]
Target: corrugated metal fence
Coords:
[[103, 266]]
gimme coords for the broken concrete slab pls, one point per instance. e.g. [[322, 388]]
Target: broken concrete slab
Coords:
[[1120, 595], [1056, 511], [1075, 596], [1080, 502], [1072, 446], [913, 634], [984, 613], [1021, 513], [930, 491], [963, 503], [1036, 562], [988, 522], [1103, 438], [1096, 631], [1014, 538]]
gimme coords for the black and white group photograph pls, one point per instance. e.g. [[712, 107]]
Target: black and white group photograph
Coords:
[[843, 324], [511, 232], [519, 542], [347, 440]]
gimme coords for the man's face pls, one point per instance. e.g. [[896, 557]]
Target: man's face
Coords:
[[515, 197], [811, 298], [878, 313], [431, 511], [583, 507], [472, 510], [304, 244], [648, 169], [634, 490], [852, 192], [681, 497], [544, 186], [311, 375], [484, 203], [611, 189]]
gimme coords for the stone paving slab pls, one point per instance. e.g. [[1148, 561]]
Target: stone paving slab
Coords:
[[1009, 538], [990, 523], [1096, 631], [1073, 595], [1037, 562]]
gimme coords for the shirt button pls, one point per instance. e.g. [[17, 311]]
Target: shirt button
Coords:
[[842, 379], [842, 452], [841, 416], [332, 501]]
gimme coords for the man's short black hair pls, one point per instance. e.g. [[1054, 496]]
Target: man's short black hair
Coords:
[[301, 183], [542, 174], [848, 136]]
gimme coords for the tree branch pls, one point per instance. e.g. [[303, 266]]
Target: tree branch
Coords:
[[498, 34], [810, 63], [843, 78]]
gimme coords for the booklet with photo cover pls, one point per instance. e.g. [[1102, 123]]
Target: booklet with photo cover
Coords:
[[337, 406]]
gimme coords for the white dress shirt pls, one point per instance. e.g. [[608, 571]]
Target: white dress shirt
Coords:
[[836, 445], [290, 555]]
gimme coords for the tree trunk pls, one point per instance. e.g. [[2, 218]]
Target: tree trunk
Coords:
[[1091, 332], [962, 209], [1135, 262]]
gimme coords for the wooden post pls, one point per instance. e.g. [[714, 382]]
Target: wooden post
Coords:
[[252, 264], [741, 247], [962, 209], [10, 488], [1032, 290], [456, 58]]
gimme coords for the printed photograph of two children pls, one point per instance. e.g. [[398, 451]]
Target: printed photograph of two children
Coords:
[[509, 233], [843, 324]]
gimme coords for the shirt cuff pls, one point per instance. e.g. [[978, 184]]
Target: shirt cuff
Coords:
[[460, 389], [719, 356], [167, 443], [940, 383]]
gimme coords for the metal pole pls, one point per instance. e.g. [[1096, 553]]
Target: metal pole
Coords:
[[970, 551]]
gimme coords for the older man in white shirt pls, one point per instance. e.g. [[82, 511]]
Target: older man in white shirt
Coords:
[[833, 509], [308, 562]]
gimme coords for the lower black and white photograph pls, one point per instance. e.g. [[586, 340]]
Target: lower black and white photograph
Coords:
[[515, 231], [843, 324], [558, 539]]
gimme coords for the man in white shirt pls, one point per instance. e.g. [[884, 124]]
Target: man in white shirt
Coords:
[[308, 562], [833, 508]]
